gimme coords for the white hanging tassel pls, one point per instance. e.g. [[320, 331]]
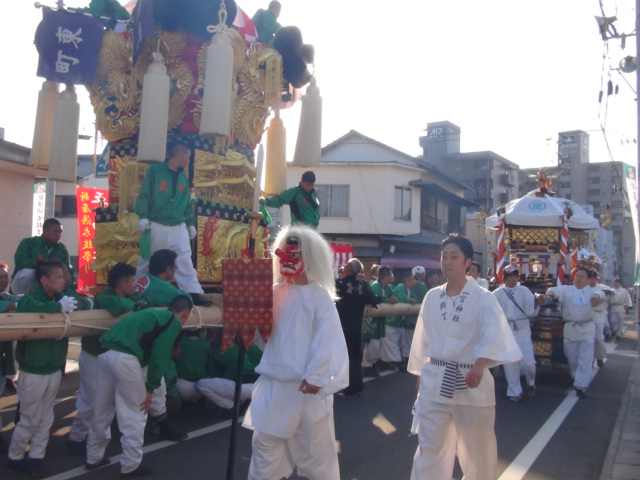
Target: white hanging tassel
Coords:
[[64, 141], [218, 81], [276, 165], [154, 112], [41, 146], [308, 147]]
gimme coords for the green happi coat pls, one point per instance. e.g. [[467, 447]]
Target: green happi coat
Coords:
[[114, 304], [152, 291], [149, 335], [45, 356], [227, 363], [305, 208], [373, 328], [196, 359], [403, 295], [33, 250], [162, 201], [421, 290], [6, 348]]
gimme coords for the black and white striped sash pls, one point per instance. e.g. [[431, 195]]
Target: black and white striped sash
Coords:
[[453, 379]]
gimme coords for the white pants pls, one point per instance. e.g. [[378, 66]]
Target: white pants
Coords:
[[615, 319], [24, 281], [580, 357], [407, 339], [390, 344], [312, 449], [599, 350], [188, 390], [370, 353], [174, 238], [222, 390], [158, 398], [120, 391], [526, 367], [445, 429], [37, 395], [88, 365]]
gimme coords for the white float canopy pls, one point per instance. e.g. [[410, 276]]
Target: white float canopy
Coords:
[[543, 211]]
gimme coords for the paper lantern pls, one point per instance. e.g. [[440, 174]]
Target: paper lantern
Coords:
[[64, 138], [218, 87], [308, 147], [154, 112], [276, 164], [41, 146]]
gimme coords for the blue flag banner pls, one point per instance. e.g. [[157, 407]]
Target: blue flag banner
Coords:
[[143, 25], [69, 45], [102, 165]]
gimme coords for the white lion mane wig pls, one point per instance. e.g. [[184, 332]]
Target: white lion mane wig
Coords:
[[317, 257]]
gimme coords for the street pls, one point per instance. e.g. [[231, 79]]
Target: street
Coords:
[[553, 435]]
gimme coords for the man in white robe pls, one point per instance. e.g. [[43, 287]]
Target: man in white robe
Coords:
[[304, 363], [474, 270], [519, 306], [579, 332], [620, 301], [461, 332], [600, 318]]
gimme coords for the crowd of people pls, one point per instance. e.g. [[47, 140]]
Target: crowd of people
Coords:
[[321, 345]]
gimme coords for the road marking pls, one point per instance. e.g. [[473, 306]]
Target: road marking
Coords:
[[148, 449], [522, 463]]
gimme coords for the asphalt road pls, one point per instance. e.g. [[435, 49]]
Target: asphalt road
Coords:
[[553, 435]]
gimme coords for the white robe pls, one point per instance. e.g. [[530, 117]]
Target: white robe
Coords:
[[521, 328], [579, 330], [481, 332], [464, 423], [306, 343]]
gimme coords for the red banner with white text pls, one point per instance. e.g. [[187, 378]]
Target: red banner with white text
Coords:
[[87, 200]]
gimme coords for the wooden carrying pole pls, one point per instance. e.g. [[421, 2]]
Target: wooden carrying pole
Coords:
[[32, 326]]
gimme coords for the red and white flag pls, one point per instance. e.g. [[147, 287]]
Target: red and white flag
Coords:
[[246, 28]]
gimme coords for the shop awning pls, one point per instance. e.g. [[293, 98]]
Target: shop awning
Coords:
[[409, 261]]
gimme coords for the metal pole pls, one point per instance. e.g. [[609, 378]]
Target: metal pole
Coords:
[[638, 159], [236, 408]]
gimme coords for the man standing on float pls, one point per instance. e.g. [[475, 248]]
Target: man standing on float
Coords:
[[164, 207]]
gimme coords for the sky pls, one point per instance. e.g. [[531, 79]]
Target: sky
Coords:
[[510, 74]]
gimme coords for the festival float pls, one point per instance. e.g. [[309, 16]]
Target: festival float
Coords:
[[546, 238], [190, 72]]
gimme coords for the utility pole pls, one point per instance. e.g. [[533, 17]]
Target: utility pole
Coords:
[[637, 199]]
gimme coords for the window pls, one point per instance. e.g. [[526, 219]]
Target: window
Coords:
[[334, 200], [65, 206], [593, 192], [402, 205]]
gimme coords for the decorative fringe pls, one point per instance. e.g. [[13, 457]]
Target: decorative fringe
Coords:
[[276, 166], [154, 112], [308, 147], [258, 181], [41, 146], [131, 177], [218, 88], [64, 142]]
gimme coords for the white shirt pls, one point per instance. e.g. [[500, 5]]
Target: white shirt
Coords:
[[475, 327], [518, 319], [483, 283], [577, 311], [306, 343]]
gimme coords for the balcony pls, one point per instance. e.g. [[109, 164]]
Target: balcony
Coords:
[[431, 223]]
